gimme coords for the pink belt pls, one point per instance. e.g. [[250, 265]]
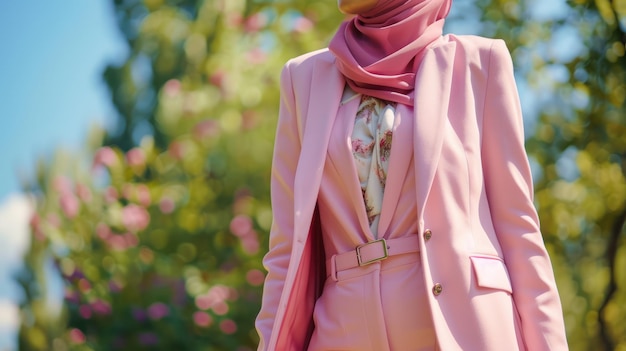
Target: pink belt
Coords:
[[371, 252]]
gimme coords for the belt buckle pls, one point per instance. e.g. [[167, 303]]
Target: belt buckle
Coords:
[[383, 242]]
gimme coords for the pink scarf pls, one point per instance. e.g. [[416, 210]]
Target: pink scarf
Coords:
[[379, 51]]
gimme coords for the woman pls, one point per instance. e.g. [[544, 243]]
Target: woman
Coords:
[[402, 195]]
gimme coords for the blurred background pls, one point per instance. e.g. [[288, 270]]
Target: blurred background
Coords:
[[136, 142]]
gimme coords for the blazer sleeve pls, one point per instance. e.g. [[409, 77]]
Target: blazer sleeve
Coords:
[[285, 158], [509, 191]]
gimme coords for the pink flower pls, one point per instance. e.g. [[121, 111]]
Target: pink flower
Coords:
[[206, 129], [172, 87], [103, 231], [35, 224], [136, 157], [135, 218], [83, 192], [76, 336], [241, 225], [220, 308], [101, 307], [204, 301], [62, 185], [256, 56], [54, 220], [131, 240], [69, 204], [220, 291], [255, 277], [84, 311], [228, 326], [177, 149], [202, 319], [67, 200], [116, 242], [167, 205], [110, 195], [250, 244], [255, 22], [35, 221], [143, 195], [121, 242], [218, 78], [158, 310], [302, 25], [216, 295], [105, 156]]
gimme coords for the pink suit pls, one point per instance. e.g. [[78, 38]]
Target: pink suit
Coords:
[[487, 278]]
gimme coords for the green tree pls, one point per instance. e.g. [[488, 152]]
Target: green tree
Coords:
[[576, 60]]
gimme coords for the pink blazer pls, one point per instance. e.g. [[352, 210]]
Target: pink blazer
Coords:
[[473, 191]]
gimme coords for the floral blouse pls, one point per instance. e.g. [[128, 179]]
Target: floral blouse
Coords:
[[371, 147]]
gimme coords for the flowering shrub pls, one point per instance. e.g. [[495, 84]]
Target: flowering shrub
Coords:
[[166, 261], [158, 238]]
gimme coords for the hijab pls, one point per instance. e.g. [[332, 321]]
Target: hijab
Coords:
[[379, 51]]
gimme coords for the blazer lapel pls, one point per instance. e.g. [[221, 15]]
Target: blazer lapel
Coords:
[[324, 97], [340, 151], [399, 161], [432, 98]]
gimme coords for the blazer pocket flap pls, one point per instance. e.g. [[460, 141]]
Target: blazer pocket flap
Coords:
[[491, 272]]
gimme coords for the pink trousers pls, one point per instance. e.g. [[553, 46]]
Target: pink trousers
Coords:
[[378, 307]]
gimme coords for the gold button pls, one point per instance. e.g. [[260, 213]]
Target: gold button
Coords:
[[428, 234], [437, 289]]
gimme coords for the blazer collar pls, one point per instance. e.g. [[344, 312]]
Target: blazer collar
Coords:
[[432, 98]]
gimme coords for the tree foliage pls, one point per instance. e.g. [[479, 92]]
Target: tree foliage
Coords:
[[158, 237], [576, 59]]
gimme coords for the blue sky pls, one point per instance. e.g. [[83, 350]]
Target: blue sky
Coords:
[[52, 54]]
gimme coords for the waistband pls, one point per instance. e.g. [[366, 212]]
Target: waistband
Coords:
[[373, 251]]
